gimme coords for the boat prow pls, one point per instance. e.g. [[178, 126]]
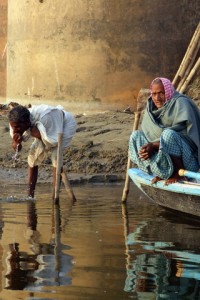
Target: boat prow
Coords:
[[182, 196]]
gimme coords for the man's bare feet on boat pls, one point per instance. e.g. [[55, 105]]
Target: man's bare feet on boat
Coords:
[[155, 180], [175, 178]]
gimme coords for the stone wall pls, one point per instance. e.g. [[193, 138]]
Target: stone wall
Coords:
[[86, 53]]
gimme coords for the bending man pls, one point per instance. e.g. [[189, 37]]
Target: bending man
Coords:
[[42, 122]]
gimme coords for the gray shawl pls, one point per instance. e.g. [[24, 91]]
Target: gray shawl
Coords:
[[179, 114]]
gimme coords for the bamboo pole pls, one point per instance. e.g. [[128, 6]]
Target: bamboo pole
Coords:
[[190, 76], [129, 163], [58, 167], [141, 101], [191, 48], [190, 63]]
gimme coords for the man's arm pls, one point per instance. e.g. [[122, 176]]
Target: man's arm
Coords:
[[35, 133]]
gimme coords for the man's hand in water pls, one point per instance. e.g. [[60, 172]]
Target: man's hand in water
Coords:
[[17, 141]]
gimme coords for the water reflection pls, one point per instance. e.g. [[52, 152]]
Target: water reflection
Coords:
[[46, 265], [96, 248], [163, 257], [20, 267]]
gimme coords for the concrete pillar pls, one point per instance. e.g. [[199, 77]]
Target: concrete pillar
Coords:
[[86, 53], [3, 47]]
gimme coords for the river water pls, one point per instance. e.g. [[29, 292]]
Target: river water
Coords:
[[95, 248]]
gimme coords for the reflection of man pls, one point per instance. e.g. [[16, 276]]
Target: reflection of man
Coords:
[[21, 265], [48, 265], [19, 272]]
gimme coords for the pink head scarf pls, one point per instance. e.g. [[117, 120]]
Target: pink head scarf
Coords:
[[168, 87]]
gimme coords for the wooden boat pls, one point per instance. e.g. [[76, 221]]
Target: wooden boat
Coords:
[[183, 196]]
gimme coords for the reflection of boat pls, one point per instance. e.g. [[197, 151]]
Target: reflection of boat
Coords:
[[163, 257], [159, 269], [182, 196]]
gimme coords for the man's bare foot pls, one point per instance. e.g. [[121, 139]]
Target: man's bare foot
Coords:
[[175, 178], [155, 180]]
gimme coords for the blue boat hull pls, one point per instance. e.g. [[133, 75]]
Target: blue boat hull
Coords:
[[180, 196]]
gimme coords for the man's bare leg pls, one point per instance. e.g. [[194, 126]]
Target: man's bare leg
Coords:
[[32, 180]]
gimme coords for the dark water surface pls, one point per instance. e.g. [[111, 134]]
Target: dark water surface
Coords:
[[95, 248]]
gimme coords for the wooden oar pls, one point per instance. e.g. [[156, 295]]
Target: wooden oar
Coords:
[[141, 102], [189, 174]]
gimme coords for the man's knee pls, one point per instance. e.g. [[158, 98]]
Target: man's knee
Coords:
[[135, 134], [168, 134]]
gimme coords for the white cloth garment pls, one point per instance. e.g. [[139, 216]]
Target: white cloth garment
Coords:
[[50, 121]]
